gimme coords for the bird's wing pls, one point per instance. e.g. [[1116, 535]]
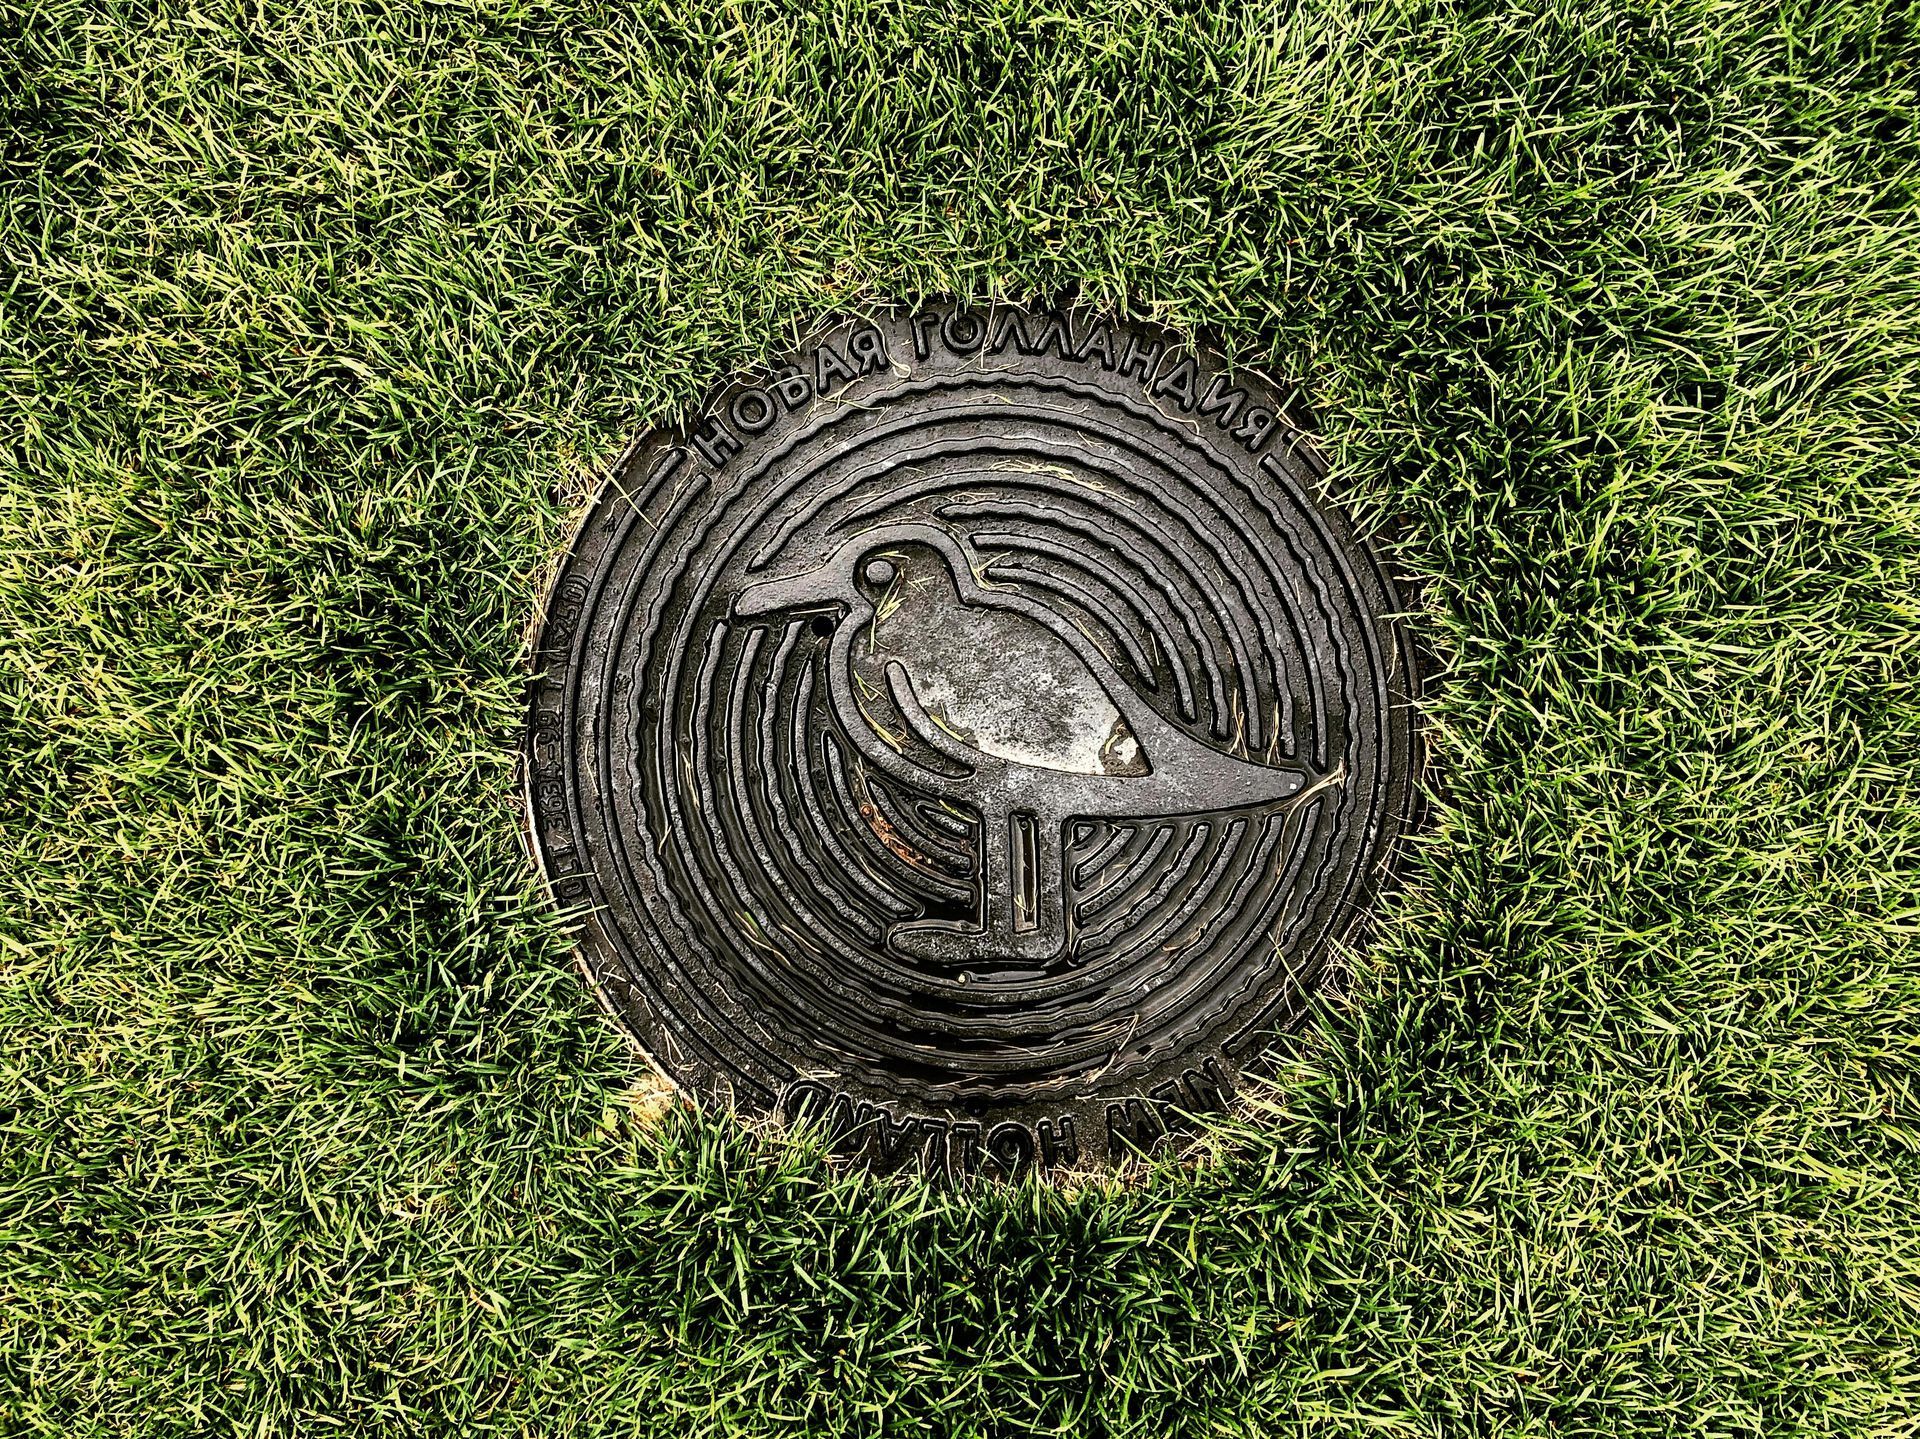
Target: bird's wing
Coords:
[[900, 686]]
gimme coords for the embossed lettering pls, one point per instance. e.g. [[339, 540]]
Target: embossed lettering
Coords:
[[1011, 1147], [869, 347], [829, 368], [715, 442], [1030, 334], [933, 1156], [563, 614], [846, 1123], [1139, 359], [752, 410], [963, 1150], [838, 1118], [962, 332], [923, 327], [1057, 332], [857, 1129], [1182, 382], [1058, 1147], [804, 1101], [1204, 1090], [1208, 1088], [1008, 329], [1222, 400], [1098, 340], [1256, 428], [894, 1139], [1133, 1126], [794, 389]]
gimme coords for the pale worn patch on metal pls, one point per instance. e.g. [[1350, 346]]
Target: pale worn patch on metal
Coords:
[[973, 735]]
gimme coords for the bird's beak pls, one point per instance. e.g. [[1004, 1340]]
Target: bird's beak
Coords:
[[801, 592]]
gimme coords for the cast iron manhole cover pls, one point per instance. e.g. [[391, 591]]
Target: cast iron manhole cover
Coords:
[[974, 735]]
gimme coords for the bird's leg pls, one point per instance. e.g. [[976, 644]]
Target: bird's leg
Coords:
[[1036, 884], [1020, 914]]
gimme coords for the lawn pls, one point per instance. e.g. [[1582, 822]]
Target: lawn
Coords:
[[318, 322]]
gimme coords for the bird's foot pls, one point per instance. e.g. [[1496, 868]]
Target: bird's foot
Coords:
[[963, 946]]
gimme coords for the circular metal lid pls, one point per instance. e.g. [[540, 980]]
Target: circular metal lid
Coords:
[[973, 735]]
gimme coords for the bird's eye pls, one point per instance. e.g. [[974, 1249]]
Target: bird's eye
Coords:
[[880, 573]]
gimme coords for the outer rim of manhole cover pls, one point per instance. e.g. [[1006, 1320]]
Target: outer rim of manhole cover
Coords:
[[977, 732]]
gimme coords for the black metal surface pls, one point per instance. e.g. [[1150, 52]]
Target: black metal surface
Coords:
[[974, 735]]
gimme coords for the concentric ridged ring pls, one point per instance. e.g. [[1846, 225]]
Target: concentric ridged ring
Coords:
[[785, 856]]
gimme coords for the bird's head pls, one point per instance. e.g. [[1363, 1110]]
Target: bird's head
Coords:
[[853, 577]]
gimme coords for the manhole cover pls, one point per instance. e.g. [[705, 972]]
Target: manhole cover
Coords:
[[973, 735]]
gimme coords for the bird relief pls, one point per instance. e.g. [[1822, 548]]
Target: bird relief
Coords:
[[970, 692]]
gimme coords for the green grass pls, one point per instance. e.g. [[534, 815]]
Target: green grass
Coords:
[[316, 320]]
